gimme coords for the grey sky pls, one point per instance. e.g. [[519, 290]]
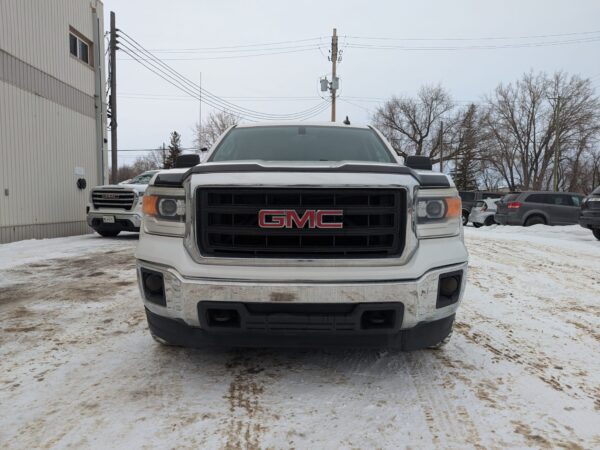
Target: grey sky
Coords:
[[467, 74]]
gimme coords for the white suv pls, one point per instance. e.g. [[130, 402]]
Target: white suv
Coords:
[[483, 212], [306, 235], [118, 207]]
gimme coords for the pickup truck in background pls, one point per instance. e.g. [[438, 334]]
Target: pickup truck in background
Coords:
[[304, 235], [118, 207]]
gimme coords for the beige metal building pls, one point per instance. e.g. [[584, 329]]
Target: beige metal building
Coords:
[[52, 115]]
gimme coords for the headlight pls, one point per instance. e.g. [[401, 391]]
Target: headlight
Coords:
[[438, 213], [164, 211]]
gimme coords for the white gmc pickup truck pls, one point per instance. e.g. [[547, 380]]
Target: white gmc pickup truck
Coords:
[[306, 235], [118, 207]]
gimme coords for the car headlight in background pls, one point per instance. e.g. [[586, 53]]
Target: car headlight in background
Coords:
[[164, 211], [438, 213]]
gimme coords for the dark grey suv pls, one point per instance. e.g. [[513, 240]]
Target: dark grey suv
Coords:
[[539, 207]]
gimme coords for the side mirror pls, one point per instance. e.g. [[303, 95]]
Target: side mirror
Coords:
[[183, 161], [418, 162]]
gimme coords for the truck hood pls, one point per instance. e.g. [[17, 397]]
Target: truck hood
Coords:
[[309, 165], [304, 173]]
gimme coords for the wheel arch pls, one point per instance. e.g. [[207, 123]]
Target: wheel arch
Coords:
[[538, 213]]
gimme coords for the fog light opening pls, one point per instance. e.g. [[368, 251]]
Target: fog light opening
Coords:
[[449, 288], [154, 286], [154, 283]]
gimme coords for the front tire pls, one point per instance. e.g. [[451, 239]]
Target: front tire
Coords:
[[108, 233], [477, 225], [596, 232], [489, 221], [465, 218]]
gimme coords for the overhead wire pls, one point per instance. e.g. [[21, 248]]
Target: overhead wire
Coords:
[[202, 58], [179, 79], [473, 47], [307, 114], [318, 38], [357, 41], [209, 101], [484, 38]]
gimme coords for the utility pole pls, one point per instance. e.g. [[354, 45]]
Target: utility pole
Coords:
[[556, 142], [113, 99], [334, 57], [442, 146]]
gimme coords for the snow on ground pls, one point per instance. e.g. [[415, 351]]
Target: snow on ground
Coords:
[[78, 368]]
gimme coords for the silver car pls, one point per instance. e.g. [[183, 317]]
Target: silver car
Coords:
[[483, 212]]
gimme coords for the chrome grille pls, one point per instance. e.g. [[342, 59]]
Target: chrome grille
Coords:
[[373, 223], [113, 198]]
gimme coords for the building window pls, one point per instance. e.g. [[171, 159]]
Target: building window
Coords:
[[80, 47]]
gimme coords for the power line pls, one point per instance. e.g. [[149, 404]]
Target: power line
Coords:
[[485, 38], [241, 50], [202, 58], [195, 88], [473, 47], [354, 104], [318, 38], [237, 99], [191, 88], [282, 47], [214, 101]]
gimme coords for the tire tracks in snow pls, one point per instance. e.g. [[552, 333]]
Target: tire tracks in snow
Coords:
[[248, 417], [446, 421], [507, 280]]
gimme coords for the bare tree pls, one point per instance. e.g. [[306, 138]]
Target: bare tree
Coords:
[[212, 127], [124, 172], [526, 123], [153, 160], [412, 125]]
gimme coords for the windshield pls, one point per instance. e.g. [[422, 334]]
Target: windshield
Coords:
[[144, 178], [302, 143]]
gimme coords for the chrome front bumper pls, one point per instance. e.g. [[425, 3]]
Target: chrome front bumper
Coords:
[[134, 217], [419, 296]]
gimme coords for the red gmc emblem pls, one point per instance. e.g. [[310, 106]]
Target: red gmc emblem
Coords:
[[289, 218]]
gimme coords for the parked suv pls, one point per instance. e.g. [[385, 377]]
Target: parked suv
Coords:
[[307, 235], [470, 198], [590, 213], [118, 207], [539, 207]]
